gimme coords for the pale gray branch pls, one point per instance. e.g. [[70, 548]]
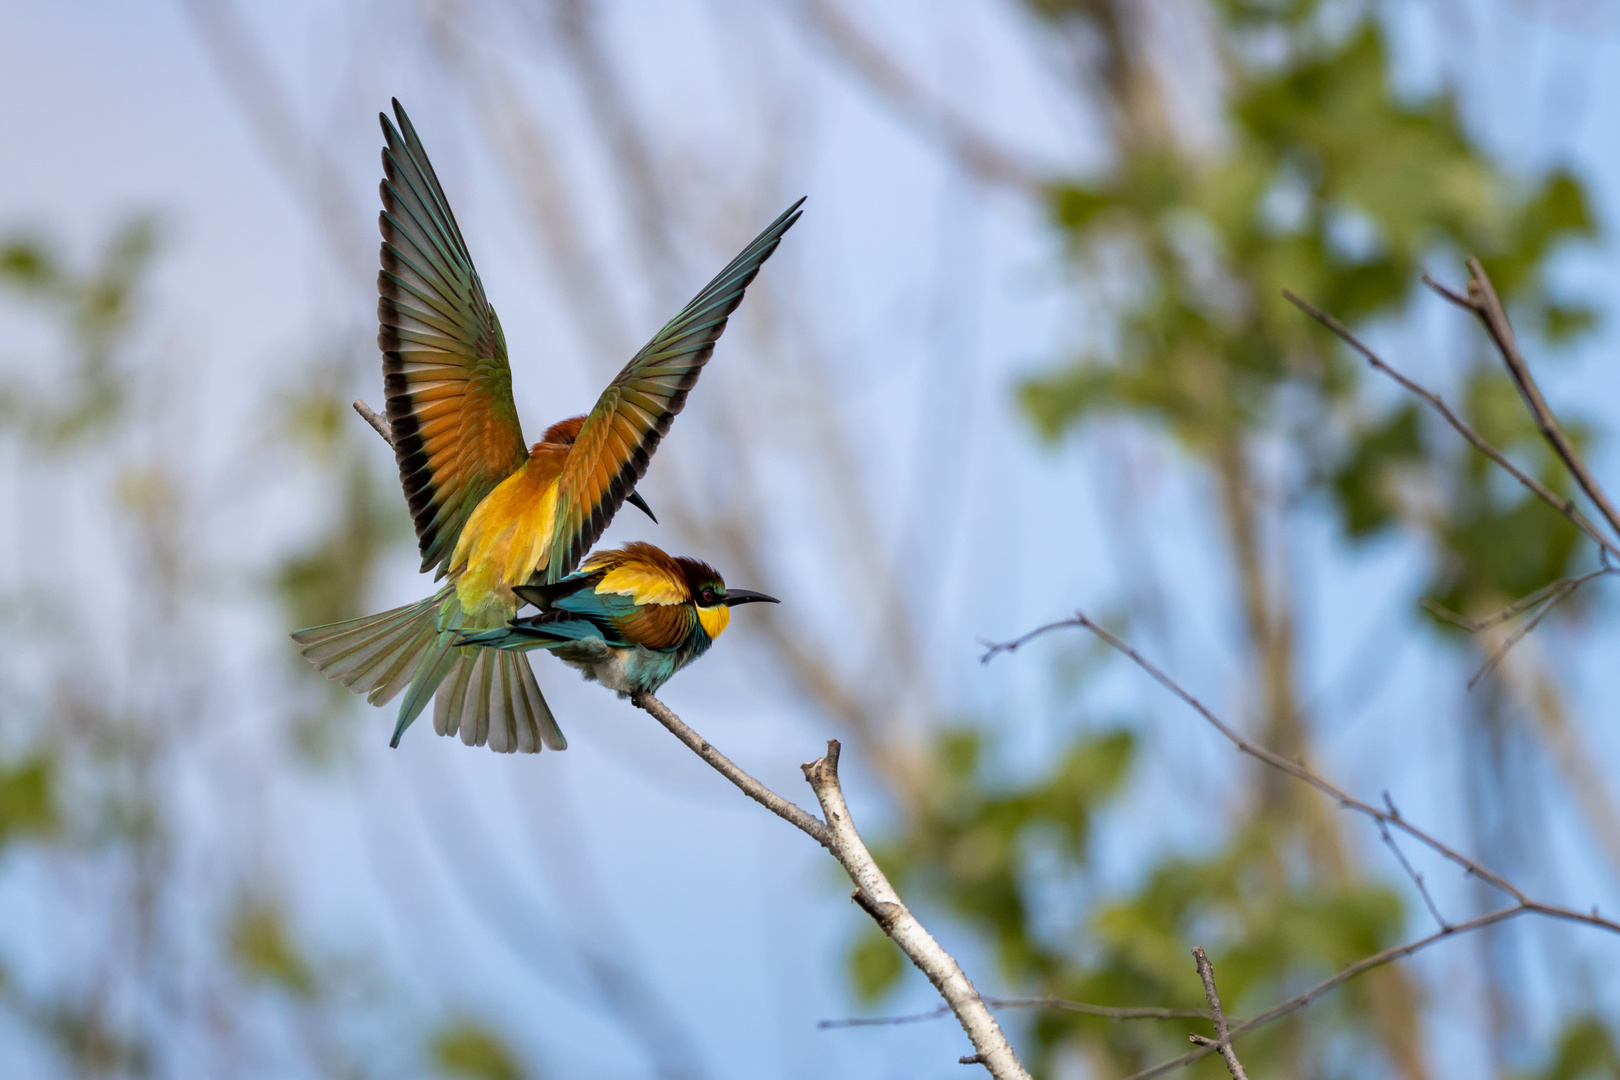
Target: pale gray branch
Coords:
[[872, 889], [878, 898], [1107, 1012], [378, 423]]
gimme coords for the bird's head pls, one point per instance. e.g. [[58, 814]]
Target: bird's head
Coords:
[[711, 597], [565, 432]]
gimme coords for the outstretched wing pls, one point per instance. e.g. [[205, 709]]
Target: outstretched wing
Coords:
[[456, 431], [630, 418]]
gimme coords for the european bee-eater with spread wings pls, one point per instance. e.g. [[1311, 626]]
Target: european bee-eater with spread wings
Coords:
[[491, 515], [628, 619]]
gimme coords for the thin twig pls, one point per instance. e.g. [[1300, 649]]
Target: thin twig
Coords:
[[378, 424], [1518, 607], [1501, 651], [1545, 598], [879, 900], [1222, 1042], [1491, 312], [1343, 976], [1417, 878], [1107, 1012], [1300, 771], [1461, 426], [789, 812]]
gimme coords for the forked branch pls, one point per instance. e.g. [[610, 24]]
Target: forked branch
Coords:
[[878, 899], [1458, 424], [873, 892], [1483, 302], [1222, 1042]]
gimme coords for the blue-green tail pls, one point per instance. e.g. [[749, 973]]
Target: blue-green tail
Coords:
[[484, 695]]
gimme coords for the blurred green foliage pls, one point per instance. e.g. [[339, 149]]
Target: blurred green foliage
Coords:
[[263, 950], [27, 798], [331, 577], [96, 308], [468, 1050], [1331, 184], [84, 759], [1586, 1050]]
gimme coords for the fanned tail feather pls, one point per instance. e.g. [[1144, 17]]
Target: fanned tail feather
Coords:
[[486, 695], [491, 696], [375, 655]]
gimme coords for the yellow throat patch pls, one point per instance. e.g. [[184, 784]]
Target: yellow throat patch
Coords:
[[714, 619]]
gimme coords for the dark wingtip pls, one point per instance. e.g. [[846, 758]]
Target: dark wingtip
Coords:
[[635, 500]]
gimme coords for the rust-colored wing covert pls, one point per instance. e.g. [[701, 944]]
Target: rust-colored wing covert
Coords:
[[449, 387], [630, 418]]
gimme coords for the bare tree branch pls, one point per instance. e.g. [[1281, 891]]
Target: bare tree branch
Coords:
[[1385, 818], [1556, 597], [1301, 772], [1461, 426], [1222, 1042], [878, 899], [789, 812], [1484, 302], [1417, 878], [873, 892], [1518, 607], [1360, 967]]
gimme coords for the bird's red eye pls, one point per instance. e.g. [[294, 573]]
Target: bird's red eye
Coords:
[[708, 596]]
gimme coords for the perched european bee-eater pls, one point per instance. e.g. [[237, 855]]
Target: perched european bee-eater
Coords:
[[628, 619], [491, 515]]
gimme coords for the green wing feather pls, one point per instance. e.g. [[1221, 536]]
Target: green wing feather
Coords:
[[634, 412], [449, 386]]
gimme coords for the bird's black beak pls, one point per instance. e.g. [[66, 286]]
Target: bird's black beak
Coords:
[[745, 596], [635, 500]]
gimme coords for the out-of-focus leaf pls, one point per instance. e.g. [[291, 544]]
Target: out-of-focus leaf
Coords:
[[1076, 207], [470, 1051], [1587, 1050], [86, 1037], [28, 264], [1566, 321], [1364, 485], [27, 798], [264, 951], [875, 965]]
